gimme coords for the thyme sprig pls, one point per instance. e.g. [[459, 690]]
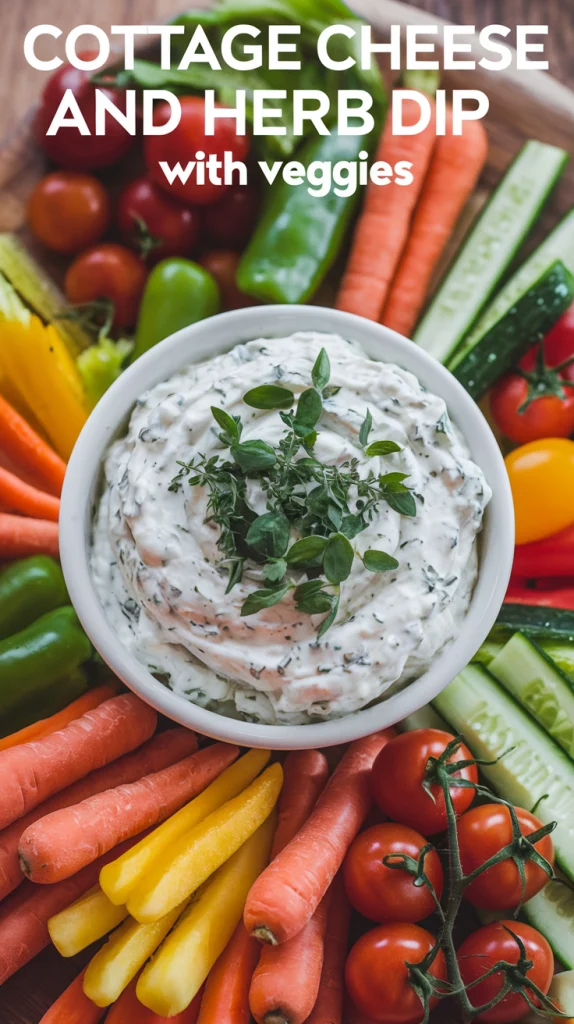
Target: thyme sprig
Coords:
[[326, 506]]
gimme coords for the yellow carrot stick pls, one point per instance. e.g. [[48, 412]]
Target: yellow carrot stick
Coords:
[[125, 952], [172, 979], [119, 878], [83, 922], [205, 848]]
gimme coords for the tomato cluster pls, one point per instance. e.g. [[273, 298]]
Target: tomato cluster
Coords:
[[394, 876], [70, 211]]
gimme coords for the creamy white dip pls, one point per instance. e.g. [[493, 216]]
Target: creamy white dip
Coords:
[[159, 573]]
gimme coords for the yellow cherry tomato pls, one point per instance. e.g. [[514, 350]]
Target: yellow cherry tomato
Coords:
[[542, 480]]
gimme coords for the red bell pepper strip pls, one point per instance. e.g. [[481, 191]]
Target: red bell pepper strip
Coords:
[[563, 597], [553, 556]]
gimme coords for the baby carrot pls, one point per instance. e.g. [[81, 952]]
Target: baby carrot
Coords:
[[21, 497], [328, 1008], [289, 891], [24, 917], [27, 447], [34, 771], [84, 921], [306, 772], [454, 171], [286, 982], [21, 536], [120, 878], [384, 223], [129, 1010], [226, 997], [206, 847], [45, 726], [159, 752], [63, 842], [73, 1007]]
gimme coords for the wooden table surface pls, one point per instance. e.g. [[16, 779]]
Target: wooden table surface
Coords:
[[26, 996]]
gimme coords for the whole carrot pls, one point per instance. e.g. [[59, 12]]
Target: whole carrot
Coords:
[[162, 750], [21, 536], [455, 168], [21, 497], [32, 772], [226, 997], [45, 726], [286, 982], [384, 223], [63, 842], [25, 446], [328, 1008], [288, 892], [128, 1010], [306, 772], [24, 917], [73, 1007]]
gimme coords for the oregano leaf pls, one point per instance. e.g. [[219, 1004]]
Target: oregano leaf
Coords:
[[269, 396], [321, 371]]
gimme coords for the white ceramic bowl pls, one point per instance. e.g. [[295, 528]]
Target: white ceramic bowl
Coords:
[[206, 339]]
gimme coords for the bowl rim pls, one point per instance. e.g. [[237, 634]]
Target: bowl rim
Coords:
[[162, 361]]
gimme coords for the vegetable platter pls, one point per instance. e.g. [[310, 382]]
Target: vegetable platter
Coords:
[[212, 808]]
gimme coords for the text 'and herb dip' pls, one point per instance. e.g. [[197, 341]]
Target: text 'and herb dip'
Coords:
[[288, 531]]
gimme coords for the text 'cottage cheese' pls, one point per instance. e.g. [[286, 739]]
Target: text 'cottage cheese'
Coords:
[[162, 576]]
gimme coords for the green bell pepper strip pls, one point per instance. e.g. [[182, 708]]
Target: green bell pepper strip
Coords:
[[299, 235], [29, 588], [38, 656], [45, 704], [178, 293]]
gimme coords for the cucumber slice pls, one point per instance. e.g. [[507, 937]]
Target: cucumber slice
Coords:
[[487, 652], [558, 245], [551, 911], [490, 247], [539, 685], [554, 624], [562, 655], [525, 324], [534, 767]]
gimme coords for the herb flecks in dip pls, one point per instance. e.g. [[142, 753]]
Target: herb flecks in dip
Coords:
[[185, 597]]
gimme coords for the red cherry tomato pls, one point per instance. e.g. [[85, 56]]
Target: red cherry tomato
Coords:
[[484, 948], [68, 147], [108, 271], [223, 264], [482, 832], [547, 416], [182, 144], [67, 211], [383, 893], [377, 975], [558, 345], [398, 776], [155, 224], [230, 222]]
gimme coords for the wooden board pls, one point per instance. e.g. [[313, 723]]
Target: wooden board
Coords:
[[522, 105]]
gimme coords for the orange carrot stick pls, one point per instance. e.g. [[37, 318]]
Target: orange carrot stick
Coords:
[[384, 223], [74, 1007], [129, 1010], [32, 772], [287, 893], [24, 445], [305, 775], [286, 981], [21, 497], [162, 750], [328, 1008], [63, 842], [45, 726], [24, 917], [454, 171], [21, 536], [226, 997]]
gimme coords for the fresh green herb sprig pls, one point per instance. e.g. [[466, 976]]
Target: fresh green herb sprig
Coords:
[[326, 505]]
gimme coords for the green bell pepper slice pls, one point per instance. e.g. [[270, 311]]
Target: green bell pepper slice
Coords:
[[28, 589], [178, 293]]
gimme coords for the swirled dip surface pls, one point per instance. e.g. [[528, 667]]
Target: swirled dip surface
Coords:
[[158, 571]]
